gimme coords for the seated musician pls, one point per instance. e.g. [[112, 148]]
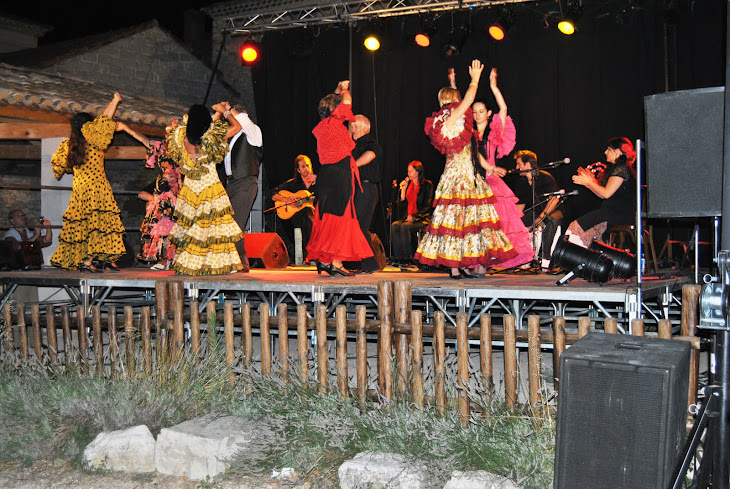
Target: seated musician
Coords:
[[415, 203], [294, 203], [19, 233], [546, 215]]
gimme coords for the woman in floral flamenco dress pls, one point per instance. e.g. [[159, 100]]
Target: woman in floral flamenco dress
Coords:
[[92, 229], [465, 231], [205, 232]]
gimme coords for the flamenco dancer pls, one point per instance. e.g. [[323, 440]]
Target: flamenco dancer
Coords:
[[161, 197], [336, 234], [465, 231], [92, 229], [205, 232], [499, 142]]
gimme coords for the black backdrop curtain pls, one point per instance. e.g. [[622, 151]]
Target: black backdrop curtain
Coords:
[[567, 95]]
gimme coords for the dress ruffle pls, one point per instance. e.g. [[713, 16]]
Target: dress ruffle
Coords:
[[449, 141], [337, 238], [510, 217]]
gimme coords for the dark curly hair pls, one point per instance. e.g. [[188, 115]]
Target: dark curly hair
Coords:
[[328, 104], [77, 141], [199, 120]]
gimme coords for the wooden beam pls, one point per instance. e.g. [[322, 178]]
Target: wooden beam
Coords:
[[34, 130], [20, 152], [126, 153]]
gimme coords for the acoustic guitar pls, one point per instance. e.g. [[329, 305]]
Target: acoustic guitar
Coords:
[[304, 198]]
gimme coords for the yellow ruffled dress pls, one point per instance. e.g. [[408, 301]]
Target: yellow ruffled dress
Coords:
[[205, 232], [92, 227]]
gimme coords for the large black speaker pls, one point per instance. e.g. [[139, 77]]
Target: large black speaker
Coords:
[[684, 158], [621, 412]]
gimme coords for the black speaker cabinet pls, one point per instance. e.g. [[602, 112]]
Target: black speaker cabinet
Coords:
[[622, 407], [268, 247], [684, 141]]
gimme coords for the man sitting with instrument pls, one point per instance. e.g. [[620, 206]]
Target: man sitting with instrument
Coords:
[[294, 205], [545, 215]]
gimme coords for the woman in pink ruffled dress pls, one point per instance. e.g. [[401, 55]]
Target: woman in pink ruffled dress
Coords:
[[465, 231], [489, 145]]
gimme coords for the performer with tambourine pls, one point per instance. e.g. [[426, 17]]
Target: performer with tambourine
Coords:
[[294, 202]]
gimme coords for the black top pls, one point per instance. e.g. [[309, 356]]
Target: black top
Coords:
[[372, 171], [620, 208], [544, 183]]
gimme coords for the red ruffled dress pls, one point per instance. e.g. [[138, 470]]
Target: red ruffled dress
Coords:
[[465, 230], [336, 233], [499, 144]]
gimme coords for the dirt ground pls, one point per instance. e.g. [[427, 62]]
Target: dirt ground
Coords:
[[61, 475]]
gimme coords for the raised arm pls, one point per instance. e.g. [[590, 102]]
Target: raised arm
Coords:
[[343, 88], [121, 126], [223, 111], [111, 109], [475, 71], [498, 97]]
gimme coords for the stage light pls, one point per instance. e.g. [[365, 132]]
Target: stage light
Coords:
[[422, 39], [498, 30], [624, 263], [580, 262], [425, 34], [372, 43], [567, 25], [249, 52], [455, 41]]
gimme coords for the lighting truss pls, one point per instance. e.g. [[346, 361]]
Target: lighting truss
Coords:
[[253, 17]]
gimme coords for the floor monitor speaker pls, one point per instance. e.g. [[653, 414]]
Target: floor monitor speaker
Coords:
[[268, 247], [684, 152], [622, 408]]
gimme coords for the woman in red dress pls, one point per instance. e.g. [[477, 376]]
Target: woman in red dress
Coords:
[[336, 234]]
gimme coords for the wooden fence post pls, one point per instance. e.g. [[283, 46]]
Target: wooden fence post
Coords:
[[417, 357], [161, 303], [637, 327], [282, 312], [83, 340], [664, 328], [385, 352], [229, 340], [558, 345], [111, 327], [35, 318], [439, 360], [690, 320], [302, 341], [361, 349], [146, 326], [510, 361], [246, 335], [462, 367], [341, 323], [98, 346], [402, 310], [533, 359], [51, 334], [610, 325], [485, 352], [321, 319], [195, 329], [8, 318], [584, 326], [178, 329], [66, 328], [265, 336], [22, 330], [129, 340]]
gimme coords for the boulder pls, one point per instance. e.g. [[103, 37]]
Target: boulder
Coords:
[[381, 470], [479, 479], [130, 450]]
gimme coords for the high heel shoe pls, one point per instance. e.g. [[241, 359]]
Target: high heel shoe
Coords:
[[88, 267], [323, 267], [456, 276], [465, 274], [333, 270], [111, 266]]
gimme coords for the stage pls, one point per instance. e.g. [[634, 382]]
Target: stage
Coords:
[[520, 293]]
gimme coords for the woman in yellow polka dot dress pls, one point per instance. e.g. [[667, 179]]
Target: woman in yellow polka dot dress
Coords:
[[92, 228], [205, 232]]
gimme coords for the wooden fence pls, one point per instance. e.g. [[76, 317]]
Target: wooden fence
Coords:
[[400, 334]]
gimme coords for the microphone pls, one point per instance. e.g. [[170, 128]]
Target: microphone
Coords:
[[564, 161], [559, 192]]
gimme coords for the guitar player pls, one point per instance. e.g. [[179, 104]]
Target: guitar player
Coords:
[[294, 202]]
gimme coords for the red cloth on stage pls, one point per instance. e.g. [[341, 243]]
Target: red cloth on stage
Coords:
[[337, 237]]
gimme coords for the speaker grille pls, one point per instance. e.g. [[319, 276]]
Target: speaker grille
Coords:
[[620, 412]]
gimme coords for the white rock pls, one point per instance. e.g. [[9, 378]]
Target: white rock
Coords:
[[380, 470], [201, 447], [130, 450], [479, 479]]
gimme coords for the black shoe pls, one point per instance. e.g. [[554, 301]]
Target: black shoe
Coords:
[[323, 267], [83, 267], [457, 276], [465, 274], [112, 267], [333, 270]]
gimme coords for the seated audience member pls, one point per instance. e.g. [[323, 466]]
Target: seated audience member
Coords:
[[545, 214], [415, 202], [293, 200]]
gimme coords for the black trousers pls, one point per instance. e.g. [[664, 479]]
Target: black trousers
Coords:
[[242, 193], [365, 203]]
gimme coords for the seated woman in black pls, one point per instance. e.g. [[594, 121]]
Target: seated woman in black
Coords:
[[293, 200], [416, 199], [617, 188]]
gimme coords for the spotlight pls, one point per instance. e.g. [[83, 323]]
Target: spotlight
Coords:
[[372, 43], [567, 24], [455, 42], [423, 37], [498, 30], [624, 263], [580, 262], [249, 52]]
